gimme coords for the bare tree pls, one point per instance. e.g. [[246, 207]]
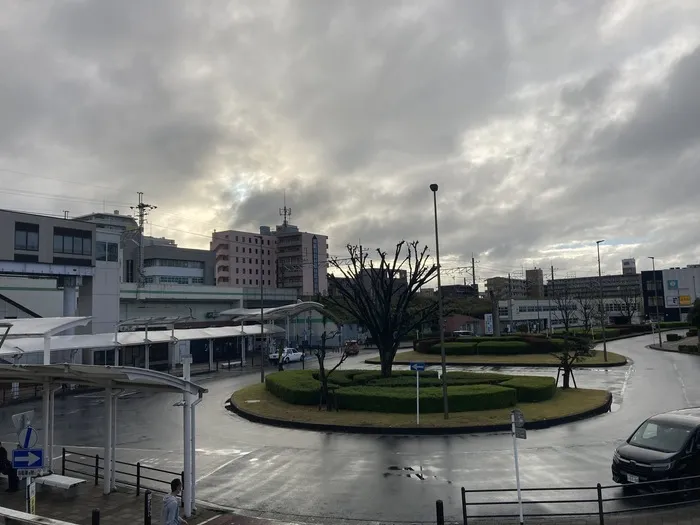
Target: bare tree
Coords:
[[628, 301], [381, 294], [586, 306], [323, 375], [565, 306], [574, 350]]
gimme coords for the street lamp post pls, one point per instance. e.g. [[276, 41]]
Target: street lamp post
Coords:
[[656, 299], [262, 320], [434, 189], [602, 306]]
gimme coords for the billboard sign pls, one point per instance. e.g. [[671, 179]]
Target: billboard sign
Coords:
[[672, 284], [685, 300], [676, 301], [488, 324]]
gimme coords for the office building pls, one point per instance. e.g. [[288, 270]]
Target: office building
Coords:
[[503, 287], [460, 291], [283, 258], [614, 286], [534, 283], [629, 267], [676, 291]]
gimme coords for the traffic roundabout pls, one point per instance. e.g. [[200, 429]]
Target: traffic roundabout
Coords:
[[362, 401]]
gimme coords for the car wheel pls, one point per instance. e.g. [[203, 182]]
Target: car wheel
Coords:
[[286, 360]]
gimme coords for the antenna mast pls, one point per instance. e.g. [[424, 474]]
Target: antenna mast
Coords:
[[142, 209], [285, 212]]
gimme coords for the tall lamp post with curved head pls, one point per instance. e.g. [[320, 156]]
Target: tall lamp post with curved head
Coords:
[[656, 300], [434, 189], [602, 306]]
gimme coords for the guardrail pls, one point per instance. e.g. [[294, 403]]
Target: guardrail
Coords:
[[132, 474], [586, 501]]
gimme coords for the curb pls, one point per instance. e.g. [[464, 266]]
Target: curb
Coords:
[[504, 365], [412, 431], [661, 349]]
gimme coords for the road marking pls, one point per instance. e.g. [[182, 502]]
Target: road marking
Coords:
[[683, 389], [625, 381], [223, 465]]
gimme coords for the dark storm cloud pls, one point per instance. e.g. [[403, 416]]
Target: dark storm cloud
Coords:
[[536, 119]]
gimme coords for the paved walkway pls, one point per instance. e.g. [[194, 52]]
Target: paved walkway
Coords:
[[672, 346]]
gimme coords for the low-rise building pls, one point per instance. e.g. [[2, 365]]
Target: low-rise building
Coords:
[[676, 291]]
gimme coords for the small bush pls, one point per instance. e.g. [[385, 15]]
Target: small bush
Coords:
[[689, 349], [692, 332], [674, 324], [455, 349], [503, 348], [403, 400], [673, 337], [532, 389], [297, 387]]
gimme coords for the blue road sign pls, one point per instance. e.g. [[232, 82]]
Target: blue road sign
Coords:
[[27, 437], [28, 458], [417, 367]]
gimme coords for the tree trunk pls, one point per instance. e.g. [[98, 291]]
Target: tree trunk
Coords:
[[567, 377]]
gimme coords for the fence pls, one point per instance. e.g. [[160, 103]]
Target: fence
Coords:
[[597, 501], [135, 475], [27, 392]]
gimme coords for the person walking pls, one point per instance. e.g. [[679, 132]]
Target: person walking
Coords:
[[171, 505], [6, 468]]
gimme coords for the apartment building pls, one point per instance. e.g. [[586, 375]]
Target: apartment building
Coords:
[[283, 258], [243, 259], [502, 286]]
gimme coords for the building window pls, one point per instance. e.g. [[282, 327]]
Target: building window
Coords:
[[236, 281], [268, 272], [256, 242], [236, 259], [250, 240], [26, 236], [256, 271], [69, 241], [268, 243], [256, 261], [268, 282], [236, 241], [130, 271], [222, 269], [197, 280], [250, 250], [105, 251], [236, 269], [256, 281], [236, 248]]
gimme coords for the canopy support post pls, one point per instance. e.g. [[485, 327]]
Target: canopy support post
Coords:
[[211, 355], [113, 463], [187, 441], [107, 470]]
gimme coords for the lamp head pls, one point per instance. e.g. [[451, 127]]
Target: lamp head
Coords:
[[433, 187], [598, 242]]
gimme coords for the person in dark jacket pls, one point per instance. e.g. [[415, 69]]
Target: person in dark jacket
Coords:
[[6, 468]]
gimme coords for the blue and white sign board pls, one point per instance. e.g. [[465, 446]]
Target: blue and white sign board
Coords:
[[673, 284], [28, 458], [488, 324], [27, 437], [417, 367]]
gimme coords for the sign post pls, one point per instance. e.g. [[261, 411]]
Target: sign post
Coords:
[[31, 496], [517, 421], [418, 367], [27, 461]]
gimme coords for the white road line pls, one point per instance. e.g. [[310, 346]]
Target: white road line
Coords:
[[680, 379], [210, 519], [223, 465]]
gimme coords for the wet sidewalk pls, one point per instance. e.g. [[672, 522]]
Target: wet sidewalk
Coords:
[[672, 346]]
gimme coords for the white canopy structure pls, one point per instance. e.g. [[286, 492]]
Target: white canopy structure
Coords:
[[274, 314], [25, 345], [43, 326]]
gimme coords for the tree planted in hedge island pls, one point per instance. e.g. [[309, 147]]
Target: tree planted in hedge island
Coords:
[[381, 292]]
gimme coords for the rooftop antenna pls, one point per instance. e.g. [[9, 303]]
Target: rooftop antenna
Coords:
[[285, 212], [141, 210]]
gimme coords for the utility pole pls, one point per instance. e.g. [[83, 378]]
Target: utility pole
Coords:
[[549, 296], [285, 212], [656, 300], [65, 214], [473, 272], [510, 306], [141, 209], [495, 314], [603, 315], [262, 320]]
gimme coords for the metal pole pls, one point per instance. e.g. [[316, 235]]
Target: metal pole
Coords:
[[107, 471], [517, 470], [417, 398], [434, 189], [549, 297], [262, 322], [602, 306], [656, 300], [187, 445]]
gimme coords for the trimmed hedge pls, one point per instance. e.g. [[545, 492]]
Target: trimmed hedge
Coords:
[[297, 387], [673, 337], [689, 349], [692, 332], [403, 400], [504, 348], [532, 389], [674, 324]]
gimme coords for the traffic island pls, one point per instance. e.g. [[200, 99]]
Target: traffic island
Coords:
[[529, 360], [478, 403]]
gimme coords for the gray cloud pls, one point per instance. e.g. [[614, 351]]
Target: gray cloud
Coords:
[[545, 124]]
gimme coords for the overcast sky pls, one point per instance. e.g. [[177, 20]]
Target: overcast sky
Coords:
[[547, 124]]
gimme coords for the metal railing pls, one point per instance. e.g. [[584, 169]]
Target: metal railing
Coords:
[[132, 474], [27, 392], [595, 500]]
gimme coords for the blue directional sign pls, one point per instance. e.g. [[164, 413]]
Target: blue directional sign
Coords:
[[28, 458], [417, 367], [27, 437]]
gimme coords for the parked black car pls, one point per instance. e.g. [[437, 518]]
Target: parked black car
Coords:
[[666, 446]]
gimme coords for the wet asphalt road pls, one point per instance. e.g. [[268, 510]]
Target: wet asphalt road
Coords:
[[295, 475]]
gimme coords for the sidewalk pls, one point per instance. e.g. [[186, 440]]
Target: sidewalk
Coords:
[[119, 508], [672, 346]]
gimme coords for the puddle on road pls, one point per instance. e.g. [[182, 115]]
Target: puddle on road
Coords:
[[413, 473]]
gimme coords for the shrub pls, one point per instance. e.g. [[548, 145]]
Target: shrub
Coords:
[[403, 400], [503, 348], [673, 337], [532, 389], [297, 387], [692, 332], [690, 349], [455, 348], [674, 324]]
